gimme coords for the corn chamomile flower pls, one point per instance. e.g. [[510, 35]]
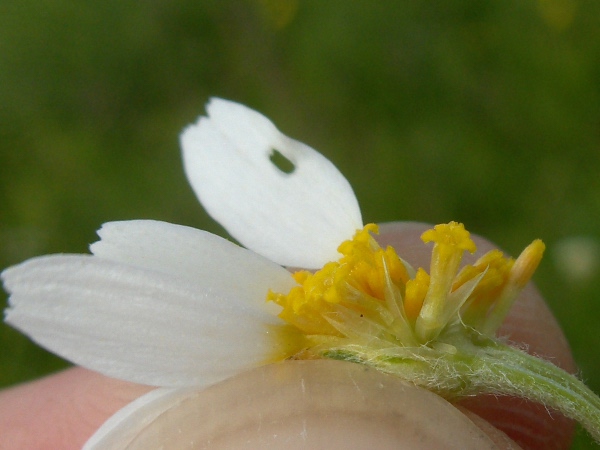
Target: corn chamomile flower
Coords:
[[179, 308]]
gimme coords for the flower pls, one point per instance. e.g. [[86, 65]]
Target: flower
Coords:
[[180, 308]]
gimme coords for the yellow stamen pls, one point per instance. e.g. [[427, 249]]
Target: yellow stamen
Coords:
[[527, 263], [450, 242], [520, 273], [416, 289], [495, 269]]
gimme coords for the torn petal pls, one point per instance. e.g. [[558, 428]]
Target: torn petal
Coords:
[[295, 219]]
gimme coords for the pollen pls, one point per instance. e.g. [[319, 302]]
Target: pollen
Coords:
[[450, 235]]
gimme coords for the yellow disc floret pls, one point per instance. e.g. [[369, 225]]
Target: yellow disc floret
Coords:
[[450, 240], [493, 269], [358, 281], [368, 297], [416, 290]]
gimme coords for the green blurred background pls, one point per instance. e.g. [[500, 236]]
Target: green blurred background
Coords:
[[483, 112]]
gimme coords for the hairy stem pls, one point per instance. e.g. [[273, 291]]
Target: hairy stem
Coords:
[[485, 366]]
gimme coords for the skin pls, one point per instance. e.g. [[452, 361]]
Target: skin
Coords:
[[63, 410]]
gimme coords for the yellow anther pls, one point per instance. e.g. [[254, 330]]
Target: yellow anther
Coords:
[[362, 240], [496, 269], [451, 234], [396, 269], [416, 289], [492, 261], [527, 263], [520, 273]]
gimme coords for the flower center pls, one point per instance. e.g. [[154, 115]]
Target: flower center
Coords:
[[371, 297]]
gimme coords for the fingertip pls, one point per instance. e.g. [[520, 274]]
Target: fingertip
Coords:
[[499, 438], [61, 410], [529, 424], [316, 404]]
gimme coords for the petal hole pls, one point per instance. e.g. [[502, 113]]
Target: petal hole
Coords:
[[282, 163]]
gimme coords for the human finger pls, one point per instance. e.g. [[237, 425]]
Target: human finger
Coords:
[[61, 410]]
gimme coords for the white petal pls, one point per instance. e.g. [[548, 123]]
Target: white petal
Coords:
[[296, 219], [198, 256], [138, 324], [125, 425]]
